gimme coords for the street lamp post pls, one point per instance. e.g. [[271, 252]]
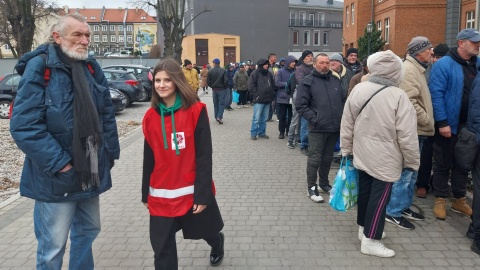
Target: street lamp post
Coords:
[[369, 31]]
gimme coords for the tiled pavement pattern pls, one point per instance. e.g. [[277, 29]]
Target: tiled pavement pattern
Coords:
[[270, 223]]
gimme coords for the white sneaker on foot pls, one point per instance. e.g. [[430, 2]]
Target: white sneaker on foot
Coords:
[[313, 194], [361, 235], [375, 248]]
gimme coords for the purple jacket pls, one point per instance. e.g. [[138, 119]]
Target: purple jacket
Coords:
[[281, 79]]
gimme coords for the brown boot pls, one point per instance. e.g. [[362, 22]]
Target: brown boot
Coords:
[[439, 208], [421, 193], [461, 206]]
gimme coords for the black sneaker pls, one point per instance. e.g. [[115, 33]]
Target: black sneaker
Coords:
[[304, 151], [474, 248], [401, 222], [291, 145], [408, 213], [325, 188]]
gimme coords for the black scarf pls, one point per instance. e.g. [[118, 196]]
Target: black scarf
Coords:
[[263, 71], [86, 125]]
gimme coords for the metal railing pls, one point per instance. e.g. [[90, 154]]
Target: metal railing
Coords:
[[316, 23]]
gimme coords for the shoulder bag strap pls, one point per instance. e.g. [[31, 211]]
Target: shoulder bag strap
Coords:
[[371, 98]]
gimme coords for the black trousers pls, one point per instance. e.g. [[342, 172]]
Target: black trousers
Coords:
[[162, 238], [242, 99], [373, 197], [284, 114], [320, 156], [443, 154], [425, 170]]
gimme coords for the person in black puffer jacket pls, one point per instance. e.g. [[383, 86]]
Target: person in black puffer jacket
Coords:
[[261, 85]]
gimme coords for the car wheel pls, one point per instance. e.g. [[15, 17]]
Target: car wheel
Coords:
[[129, 101], [4, 108], [143, 97]]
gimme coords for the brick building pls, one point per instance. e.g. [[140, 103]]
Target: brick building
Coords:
[[117, 30], [399, 21]]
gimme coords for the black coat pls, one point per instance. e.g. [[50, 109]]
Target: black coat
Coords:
[[262, 86], [320, 100]]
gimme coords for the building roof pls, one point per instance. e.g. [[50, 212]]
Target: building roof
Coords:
[[112, 15], [316, 3], [136, 15]]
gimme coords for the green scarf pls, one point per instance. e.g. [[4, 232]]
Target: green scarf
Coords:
[[164, 109]]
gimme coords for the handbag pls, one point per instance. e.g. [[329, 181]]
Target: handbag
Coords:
[[235, 96], [344, 192]]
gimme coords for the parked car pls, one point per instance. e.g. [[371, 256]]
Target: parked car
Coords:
[[118, 99], [8, 91], [141, 72], [127, 83]]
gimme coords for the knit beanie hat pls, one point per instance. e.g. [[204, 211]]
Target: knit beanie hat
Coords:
[[417, 45], [306, 53], [441, 50], [187, 62], [336, 56], [352, 50]]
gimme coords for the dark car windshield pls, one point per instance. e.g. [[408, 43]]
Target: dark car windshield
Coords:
[[113, 76]]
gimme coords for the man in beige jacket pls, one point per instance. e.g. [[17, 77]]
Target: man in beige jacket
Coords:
[[414, 83]]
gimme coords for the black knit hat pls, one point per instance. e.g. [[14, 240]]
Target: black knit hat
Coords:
[[352, 50], [305, 53], [187, 62], [441, 50]]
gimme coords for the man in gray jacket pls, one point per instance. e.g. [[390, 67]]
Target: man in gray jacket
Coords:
[[320, 101], [217, 80]]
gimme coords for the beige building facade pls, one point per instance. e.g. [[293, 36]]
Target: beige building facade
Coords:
[[203, 48]]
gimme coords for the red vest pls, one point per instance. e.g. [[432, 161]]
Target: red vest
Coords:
[[173, 177]]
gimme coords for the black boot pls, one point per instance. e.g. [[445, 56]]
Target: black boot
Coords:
[[216, 255], [281, 135]]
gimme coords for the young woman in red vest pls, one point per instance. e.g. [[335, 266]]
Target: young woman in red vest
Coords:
[[177, 186]]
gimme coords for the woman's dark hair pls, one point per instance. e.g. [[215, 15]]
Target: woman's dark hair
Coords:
[[175, 72]]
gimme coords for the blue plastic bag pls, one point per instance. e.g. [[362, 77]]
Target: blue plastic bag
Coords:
[[344, 192], [235, 96]]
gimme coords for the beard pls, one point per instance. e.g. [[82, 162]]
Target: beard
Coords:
[[74, 54]]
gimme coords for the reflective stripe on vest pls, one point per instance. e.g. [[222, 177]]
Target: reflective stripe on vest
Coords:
[[171, 193]]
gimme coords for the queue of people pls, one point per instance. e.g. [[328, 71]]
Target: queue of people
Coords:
[[382, 122]]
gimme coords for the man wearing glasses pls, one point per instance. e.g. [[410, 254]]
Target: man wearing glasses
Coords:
[[450, 81]]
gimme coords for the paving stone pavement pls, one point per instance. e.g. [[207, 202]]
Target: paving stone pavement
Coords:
[[270, 223]]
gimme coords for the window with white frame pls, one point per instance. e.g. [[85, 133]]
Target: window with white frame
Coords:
[[295, 38], [311, 19], [347, 15], [470, 22], [129, 38], [120, 38], [191, 4], [379, 25], [143, 18], [316, 38], [129, 28], [92, 18], [104, 38], [303, 18], [6, 47], [96, 28], [321, 19], [293, 17], [306, 37], [104, 28], [353, 12], [325, 38], [96, 38], [112, 28], [120, 28], [387, 30], [113, 38]]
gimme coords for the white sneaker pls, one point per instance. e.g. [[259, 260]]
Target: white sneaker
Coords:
[[238, 107], [313, 194], [245, 106], [361, 235], [375, 248]]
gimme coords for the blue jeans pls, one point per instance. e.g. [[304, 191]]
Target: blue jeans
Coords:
[[402, 190], [303, 133], [259, 120], [53, 222], [219, 97], [229, 97]]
